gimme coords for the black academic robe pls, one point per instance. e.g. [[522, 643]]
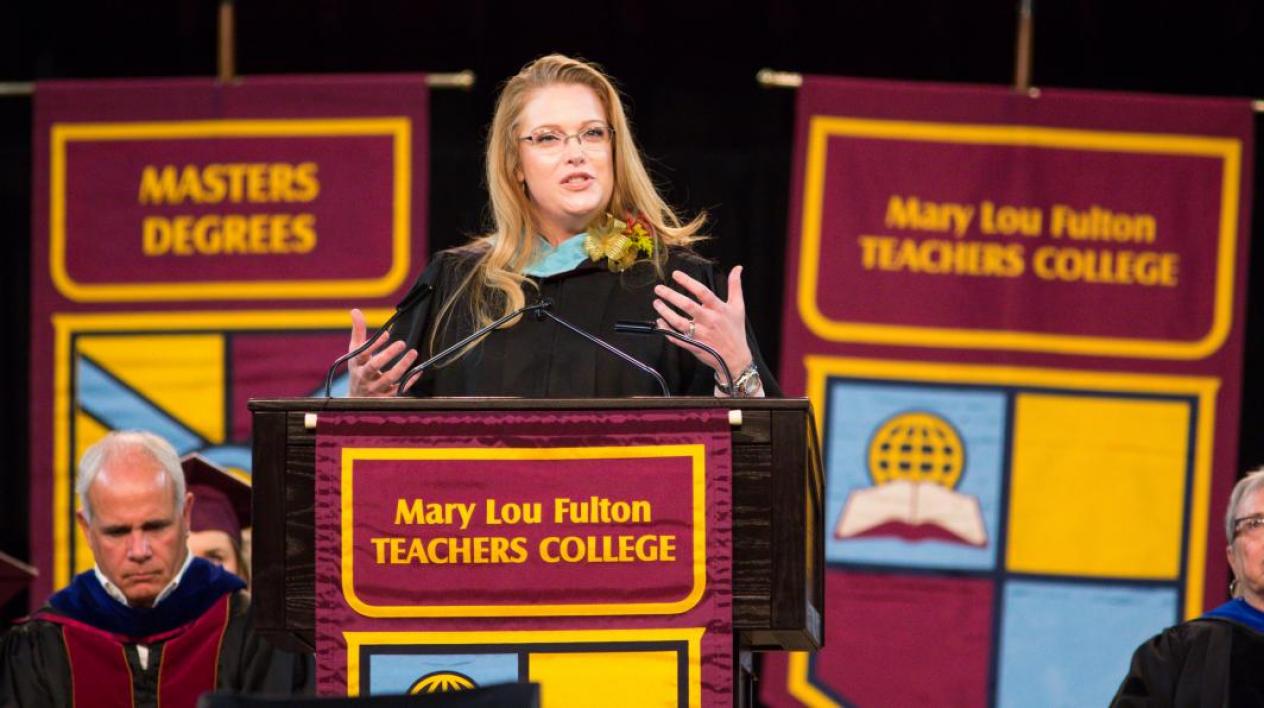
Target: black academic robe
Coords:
[[540, 358], [35, 657], [1203, 662]]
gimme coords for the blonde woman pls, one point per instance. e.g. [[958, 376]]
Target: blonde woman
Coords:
[[579, 222]]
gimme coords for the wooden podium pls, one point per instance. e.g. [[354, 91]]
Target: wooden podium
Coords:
[[778, 488]]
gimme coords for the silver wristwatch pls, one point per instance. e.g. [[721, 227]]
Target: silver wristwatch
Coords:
[[745, 384]]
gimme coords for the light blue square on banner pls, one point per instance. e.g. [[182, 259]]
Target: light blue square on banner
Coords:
[[1065, 644], [396, 673], [857, 414]]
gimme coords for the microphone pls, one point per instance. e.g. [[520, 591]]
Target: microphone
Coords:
[[419, 291], [536, 307], [662, 383], [638, 327]]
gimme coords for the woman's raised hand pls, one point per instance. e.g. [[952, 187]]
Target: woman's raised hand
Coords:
[[372, 374], [721, 324]]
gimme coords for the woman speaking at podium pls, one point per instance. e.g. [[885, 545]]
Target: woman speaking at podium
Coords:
[[582, 234]]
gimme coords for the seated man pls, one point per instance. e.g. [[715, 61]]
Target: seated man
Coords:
[[150, 624]]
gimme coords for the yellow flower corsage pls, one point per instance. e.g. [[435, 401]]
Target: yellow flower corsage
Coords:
[[619, 242]]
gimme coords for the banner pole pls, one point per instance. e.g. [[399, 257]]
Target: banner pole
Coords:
[[1023, 50], [227, 49], [458, 80]]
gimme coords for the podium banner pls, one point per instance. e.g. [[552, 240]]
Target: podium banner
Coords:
[[1020, 317], [196, 244], [589, 552]]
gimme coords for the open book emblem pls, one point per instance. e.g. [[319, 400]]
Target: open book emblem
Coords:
[[915, 459]]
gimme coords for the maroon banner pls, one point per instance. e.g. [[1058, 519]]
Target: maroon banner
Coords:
[[1016, 202], [584, 551], [1019, 317], [271, 211], [198, 243], [503, 530], [1019, 247]]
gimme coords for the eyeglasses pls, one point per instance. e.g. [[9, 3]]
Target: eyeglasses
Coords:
[[595, 136], [1249, 526]]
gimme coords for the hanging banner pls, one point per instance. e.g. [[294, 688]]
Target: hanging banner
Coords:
[[587, 552], [197, 244], [1021, 319]]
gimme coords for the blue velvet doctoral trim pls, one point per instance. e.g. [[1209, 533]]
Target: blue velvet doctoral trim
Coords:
[[1237, 610], [565, 257], [201, 586]]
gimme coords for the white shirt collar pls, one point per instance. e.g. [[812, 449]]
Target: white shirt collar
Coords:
[[112, 590]]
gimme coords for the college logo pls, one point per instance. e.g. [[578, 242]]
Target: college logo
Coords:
[[915, 460], [442, 682], [1013, 503], [660, 666]]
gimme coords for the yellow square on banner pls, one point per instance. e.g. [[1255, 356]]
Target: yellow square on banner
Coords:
[[1098, 486], [628, 678], [180, 374]]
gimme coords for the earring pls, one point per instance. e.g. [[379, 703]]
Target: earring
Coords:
[[1233, 588]]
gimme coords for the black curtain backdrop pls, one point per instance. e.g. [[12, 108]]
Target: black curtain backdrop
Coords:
[[717, 142]]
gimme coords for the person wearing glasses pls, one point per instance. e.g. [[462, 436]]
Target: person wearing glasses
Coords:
[[1218, 658], [577, 222]]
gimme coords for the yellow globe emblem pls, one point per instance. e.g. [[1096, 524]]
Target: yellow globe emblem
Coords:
[[441, 682], [916, 447]]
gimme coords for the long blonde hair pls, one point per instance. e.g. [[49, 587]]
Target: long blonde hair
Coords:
[[495, 283]]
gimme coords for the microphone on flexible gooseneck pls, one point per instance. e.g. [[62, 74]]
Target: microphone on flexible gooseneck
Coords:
[[541, 310], [638, 327], [413, 372], [662, 383], [420, 291]]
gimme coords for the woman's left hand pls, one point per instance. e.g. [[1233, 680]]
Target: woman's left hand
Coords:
[[718, 323]]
